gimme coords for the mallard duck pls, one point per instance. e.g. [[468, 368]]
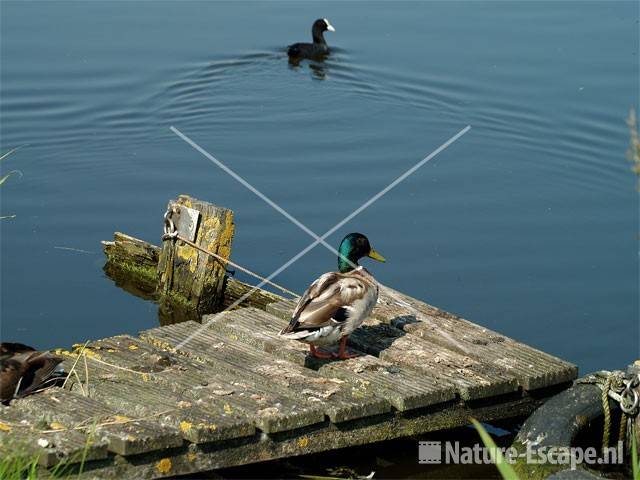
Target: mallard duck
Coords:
[[319, 46], [337, 302], [23, 370]]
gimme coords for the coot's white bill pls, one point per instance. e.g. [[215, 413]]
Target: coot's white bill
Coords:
[[329, 26]]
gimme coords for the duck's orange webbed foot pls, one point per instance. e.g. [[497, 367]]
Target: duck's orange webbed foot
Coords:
[[345, 356], [319, 354], [342, 354]]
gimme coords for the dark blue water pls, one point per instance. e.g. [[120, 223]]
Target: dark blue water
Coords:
[[527, 225]]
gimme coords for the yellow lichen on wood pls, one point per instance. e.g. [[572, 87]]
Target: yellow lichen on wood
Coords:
[[133, 347], [4, 427], [164, 466], [166, 346], [189, 255], [303, 442], [75, 353], [87, 351], [186, 426], [191, 456], [227, 409], [211, 224], [226, 236], [56, 426]]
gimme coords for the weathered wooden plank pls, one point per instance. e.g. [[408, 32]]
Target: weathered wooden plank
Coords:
[[28, 436], [134, 395], [282, 309], [259, 298], [270, 410], [533, 368], [190, 273], [327, 436], [125, 248], [403, 388], [338, 399], [124, 435], [198, 424], [530, 367], [132, 265], [471, 378]]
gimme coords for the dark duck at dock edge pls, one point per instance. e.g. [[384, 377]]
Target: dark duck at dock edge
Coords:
[[314, 50], [337, 302], [23, 370]]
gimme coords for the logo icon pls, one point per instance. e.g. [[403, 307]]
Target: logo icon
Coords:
[[430, 452]]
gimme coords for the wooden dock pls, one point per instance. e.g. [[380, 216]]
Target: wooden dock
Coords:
[[157, 405], [143, 407]]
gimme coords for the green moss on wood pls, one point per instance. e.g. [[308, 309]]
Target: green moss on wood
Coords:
[[143, 273]]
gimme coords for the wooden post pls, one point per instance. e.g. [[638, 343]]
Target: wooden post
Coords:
[[188, 274]]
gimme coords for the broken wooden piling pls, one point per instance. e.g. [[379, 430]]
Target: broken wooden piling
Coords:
[[186, 271], [184, 280]]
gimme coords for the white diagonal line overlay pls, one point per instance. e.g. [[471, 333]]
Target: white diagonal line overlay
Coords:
[[318, 239]]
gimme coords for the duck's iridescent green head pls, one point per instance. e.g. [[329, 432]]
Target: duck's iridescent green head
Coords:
[[352, 248]]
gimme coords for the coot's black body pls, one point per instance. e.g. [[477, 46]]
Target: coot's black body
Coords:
[[319, 46]]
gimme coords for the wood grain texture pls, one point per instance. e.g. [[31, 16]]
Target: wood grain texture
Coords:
[[452, 341]]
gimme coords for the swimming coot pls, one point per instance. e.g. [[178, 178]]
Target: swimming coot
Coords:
[[316, 49]]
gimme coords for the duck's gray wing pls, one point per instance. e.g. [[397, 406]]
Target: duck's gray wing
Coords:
[[326, 302]]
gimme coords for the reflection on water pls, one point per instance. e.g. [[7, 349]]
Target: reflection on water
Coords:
[[319, 70], [169, 310], [318, 67]]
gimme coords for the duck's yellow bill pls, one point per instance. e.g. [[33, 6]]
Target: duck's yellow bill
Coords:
[[376, 256]]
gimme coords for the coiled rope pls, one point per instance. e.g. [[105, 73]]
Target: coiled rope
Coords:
[[606, 408], [623, 389]]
